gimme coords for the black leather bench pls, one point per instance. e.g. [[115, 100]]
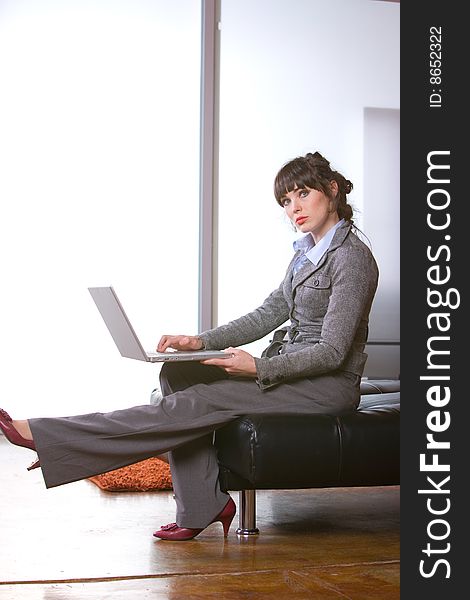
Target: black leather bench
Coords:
[[266, 452]]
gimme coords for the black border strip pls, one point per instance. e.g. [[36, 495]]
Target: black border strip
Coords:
[[433, 120]]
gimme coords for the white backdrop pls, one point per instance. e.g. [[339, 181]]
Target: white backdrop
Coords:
[[99, 122]]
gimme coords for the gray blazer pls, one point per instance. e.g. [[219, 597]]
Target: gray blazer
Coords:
[[328, 307]]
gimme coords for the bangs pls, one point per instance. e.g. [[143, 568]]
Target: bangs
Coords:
[[293, 175]]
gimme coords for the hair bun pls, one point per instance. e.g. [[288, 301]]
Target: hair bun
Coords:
[[317, 158], [348, 186]]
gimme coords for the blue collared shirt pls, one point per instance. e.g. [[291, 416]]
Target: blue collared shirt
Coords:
[[311, 251]]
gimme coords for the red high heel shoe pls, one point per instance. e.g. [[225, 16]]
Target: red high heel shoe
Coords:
[[173, 532], [34, 465], [14, 437]]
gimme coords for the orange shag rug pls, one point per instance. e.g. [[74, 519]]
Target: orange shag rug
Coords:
[[145, 476]]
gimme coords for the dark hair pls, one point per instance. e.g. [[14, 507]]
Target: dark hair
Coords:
[[314, 171]]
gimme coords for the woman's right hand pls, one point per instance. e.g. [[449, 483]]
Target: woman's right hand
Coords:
[[179, 342]]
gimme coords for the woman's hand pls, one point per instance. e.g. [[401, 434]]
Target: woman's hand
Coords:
[[179, 342], [241, 363]]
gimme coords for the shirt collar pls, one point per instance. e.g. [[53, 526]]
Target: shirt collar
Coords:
[[312, 251]]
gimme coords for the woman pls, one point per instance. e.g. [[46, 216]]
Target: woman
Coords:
[[326, 294]]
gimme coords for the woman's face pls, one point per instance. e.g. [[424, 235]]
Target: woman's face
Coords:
[[310, 210]]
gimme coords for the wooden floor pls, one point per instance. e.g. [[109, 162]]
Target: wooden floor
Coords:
[[77, 542]]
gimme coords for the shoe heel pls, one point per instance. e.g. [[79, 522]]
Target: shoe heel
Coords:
[[33, 465], [226, 524], [226, 519]]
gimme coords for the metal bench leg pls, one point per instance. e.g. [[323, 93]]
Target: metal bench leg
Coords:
[[247, 515]]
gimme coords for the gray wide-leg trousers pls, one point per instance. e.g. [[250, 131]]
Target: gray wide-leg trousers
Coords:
[[197, 399]]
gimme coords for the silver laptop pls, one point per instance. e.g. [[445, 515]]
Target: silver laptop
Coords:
[[125, 337]]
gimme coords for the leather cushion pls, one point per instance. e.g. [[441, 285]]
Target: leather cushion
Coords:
[[283, 452]]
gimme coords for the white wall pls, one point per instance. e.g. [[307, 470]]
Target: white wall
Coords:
[[296, 76], [99, 121], [382, 222]]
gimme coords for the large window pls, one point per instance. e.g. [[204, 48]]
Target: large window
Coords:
[[99, 179]]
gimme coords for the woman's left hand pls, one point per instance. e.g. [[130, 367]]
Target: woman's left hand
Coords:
[[241, 363]]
